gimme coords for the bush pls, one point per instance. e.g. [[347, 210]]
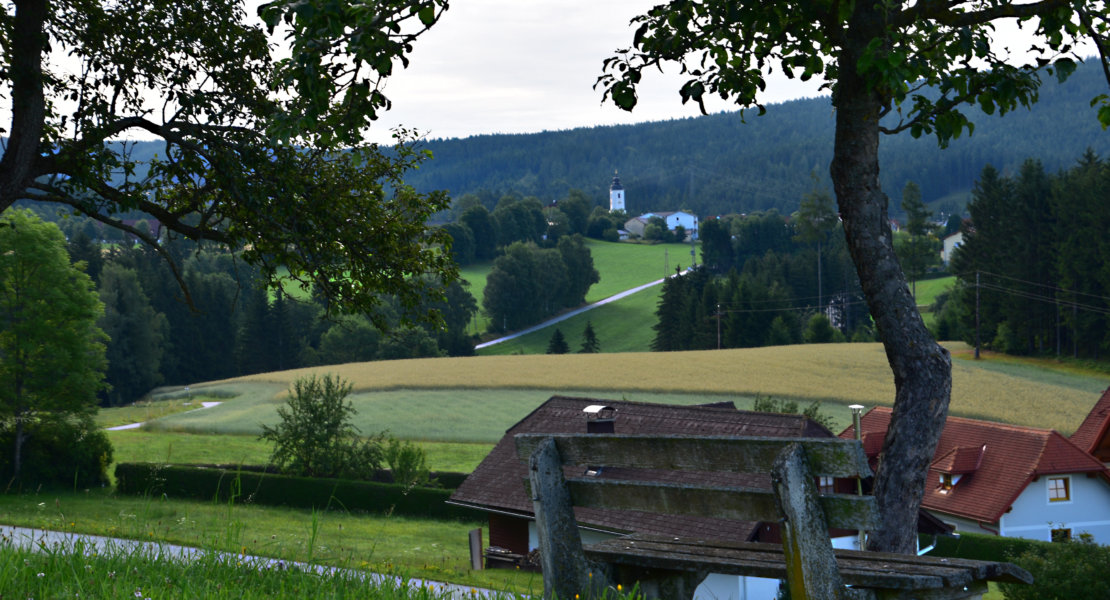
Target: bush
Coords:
[[315, 437], [407, 462], [1071, 569], [60, 453], [223, 485]]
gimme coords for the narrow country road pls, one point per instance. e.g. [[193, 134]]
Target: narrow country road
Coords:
[[569, 314]]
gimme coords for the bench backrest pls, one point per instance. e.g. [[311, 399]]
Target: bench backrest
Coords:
[[793, 500]]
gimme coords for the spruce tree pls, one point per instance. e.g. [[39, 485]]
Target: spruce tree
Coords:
[[590, 345], [558, 343]]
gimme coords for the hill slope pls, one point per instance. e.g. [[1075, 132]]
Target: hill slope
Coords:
[[718, 164]]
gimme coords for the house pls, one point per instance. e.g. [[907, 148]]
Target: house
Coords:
[[497, 485], [1008, 480], [1093, 435], [688, 221], [949, 246]]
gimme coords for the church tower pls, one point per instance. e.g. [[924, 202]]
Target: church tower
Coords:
[[616, 194]]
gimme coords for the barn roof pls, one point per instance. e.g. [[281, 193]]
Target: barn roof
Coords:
[[1092, 433], [497, 483]]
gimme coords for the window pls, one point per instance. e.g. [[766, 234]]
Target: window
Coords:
[[1058, 489], [1061, 535], [946, 481], [826, 485]]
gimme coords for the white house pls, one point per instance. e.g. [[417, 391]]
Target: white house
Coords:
[[950, 244], [1008, 480], [688, 221]]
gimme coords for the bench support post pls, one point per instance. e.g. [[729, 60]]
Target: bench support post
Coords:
[[565, 570], [811, 570]]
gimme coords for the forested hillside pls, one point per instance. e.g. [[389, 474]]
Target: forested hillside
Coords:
[[718, 164]]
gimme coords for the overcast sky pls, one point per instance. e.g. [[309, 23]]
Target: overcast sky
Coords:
[[513, 66], [521, 66]]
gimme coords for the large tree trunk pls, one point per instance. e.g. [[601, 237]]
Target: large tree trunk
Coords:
[[28, 102], [922, 369]]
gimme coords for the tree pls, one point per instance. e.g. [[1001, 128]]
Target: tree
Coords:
[[136, 333], [911, 62], [558, 343], [581, 273], [315, 437], [51, 350], [919, 251], [816, 218], [590, 345], [262, 119]]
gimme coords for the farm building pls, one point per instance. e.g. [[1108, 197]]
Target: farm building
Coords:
[[1008, 480], [497, 487], [689, 222], [1093, 435]]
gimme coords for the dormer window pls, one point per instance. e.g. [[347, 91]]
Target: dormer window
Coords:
[[946, 482], [826, 485], [1059, 489]]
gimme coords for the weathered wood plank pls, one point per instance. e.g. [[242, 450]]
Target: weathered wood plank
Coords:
[[842, 511], [862, 569], [565, 571], [811, 570], [831, 457]]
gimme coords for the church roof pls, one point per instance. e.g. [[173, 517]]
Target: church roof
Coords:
[[616, 184]]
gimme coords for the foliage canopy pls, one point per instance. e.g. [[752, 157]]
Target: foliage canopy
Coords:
[[262, 148]]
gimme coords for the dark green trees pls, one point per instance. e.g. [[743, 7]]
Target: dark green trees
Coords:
[[136, 336], [51, 350], [528, 283], [558, 343], [590, 344]]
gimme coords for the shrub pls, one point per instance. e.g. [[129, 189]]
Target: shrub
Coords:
[[407, 462], [315, 436], [1070, 569], [222, 485], [60, 452]]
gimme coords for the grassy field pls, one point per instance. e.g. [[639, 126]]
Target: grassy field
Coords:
[[475, 399], [622, 266], [929, 289], [137, 445], [423, 548], [622, 326]]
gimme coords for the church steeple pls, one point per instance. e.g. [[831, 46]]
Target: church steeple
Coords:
[[616, 194]]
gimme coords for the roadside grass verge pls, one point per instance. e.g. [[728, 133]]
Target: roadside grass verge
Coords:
[[622, 326], [418, 548], [119, 572]]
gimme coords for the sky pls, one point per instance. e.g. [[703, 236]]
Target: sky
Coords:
[[522, 66]]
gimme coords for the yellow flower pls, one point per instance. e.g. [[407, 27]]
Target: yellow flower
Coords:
[[618, 587]]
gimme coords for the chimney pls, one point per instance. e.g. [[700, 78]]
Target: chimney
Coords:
[[600, 418]]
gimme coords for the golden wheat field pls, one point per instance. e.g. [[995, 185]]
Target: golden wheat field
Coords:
[[840, 373]]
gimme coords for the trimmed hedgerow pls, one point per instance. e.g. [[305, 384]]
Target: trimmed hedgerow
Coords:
[[202, 483], [976, 546]]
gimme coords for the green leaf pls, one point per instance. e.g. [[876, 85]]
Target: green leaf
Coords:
[[427, 15]]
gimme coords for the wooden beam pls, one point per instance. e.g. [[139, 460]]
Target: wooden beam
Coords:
[[830, 457]]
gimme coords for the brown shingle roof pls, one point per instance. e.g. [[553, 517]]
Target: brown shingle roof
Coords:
[[1010, 457], [1094, 428], [497, 483]]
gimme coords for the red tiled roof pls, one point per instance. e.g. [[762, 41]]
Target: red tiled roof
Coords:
[[1094, 428], [1011, 458], [960, 460], [498, 482]]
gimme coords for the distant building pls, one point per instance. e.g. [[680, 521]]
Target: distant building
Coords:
[[689, 222], [950, 244], [616, 194]]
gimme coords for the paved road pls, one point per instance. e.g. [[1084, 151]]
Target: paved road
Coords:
[[39, 539], [138, 425], [570, 314]]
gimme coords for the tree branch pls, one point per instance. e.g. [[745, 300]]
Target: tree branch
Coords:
[[944, 15]]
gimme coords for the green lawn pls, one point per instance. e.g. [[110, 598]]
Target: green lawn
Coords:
[[929, 289], [621, 326], [423, 548], [137, 445]]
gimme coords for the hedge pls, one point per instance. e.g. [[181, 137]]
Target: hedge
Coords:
[[205, 483], [443, 479], [979, 546]]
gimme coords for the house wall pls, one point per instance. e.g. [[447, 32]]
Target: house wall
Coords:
[[963, 525], [511, 533], [687, 220], [1034, 517]]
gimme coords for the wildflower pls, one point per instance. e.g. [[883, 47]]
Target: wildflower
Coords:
[[111, 574], [138, 593], [618, 587], [42, 574]]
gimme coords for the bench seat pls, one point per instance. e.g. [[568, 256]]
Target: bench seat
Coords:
[[897, 575]]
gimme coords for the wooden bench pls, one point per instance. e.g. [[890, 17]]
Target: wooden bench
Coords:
[[672, 567]]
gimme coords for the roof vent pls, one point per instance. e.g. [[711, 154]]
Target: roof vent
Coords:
[[600, 418]]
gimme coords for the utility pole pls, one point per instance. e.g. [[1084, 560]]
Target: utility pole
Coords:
[[977, 315], [718, 326]]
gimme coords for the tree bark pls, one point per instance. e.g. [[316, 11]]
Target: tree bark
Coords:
[[921, 367], [28, 100]]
